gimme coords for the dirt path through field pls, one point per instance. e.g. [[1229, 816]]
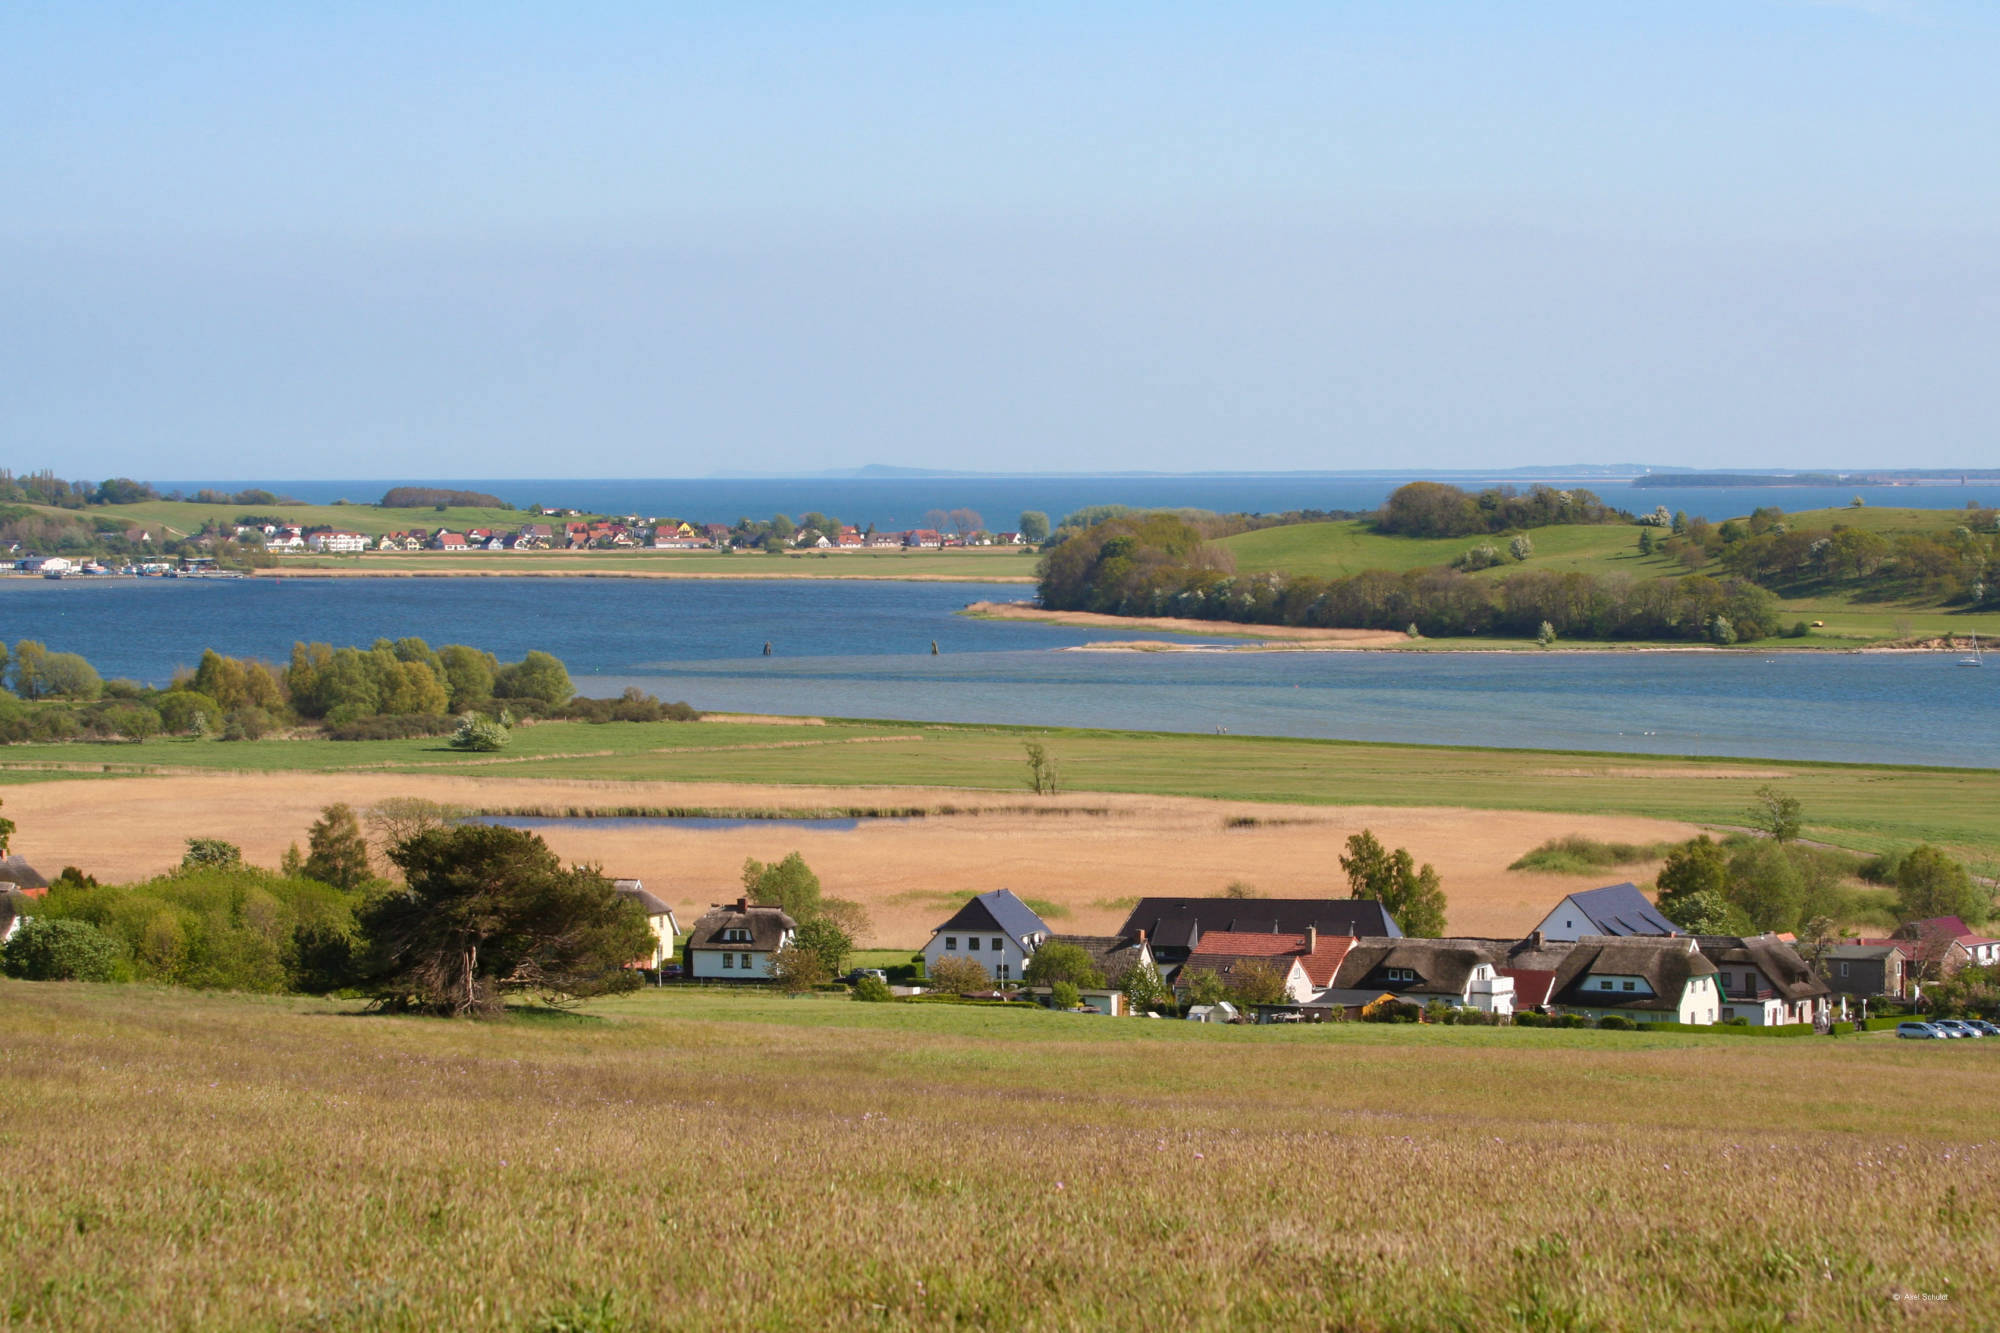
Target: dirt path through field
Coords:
[[1090, 859]]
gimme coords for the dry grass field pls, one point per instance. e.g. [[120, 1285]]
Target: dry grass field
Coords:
[[698, 1160], [1088, 853]]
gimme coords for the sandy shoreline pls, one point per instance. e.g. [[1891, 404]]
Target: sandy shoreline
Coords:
[[1297, 638]]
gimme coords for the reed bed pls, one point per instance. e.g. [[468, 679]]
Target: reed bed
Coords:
[[701, 1160]]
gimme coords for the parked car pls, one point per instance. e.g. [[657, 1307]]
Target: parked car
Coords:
[[1921, 1031], [1957, 1027], [670, 971], [1990, 1029], [860, 972]]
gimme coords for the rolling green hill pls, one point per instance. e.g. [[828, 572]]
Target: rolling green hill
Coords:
[[183, 517]]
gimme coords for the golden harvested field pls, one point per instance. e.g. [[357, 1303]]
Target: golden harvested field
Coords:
[[1089, 853], [689, 1159]]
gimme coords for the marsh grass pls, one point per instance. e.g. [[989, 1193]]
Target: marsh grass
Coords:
[[1575, 854], [717, 1160]]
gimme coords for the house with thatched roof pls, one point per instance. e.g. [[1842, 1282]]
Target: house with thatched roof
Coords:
[[735, 941], [1647, 978], [1111, 955], [1764, 981], [659, 918], [1463, 973], [15, 870], [1174, 926]]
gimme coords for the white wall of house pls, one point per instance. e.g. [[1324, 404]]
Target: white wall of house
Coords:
[[1487, 990], [663, 936], [999, 953], [1566, 923], [721, 964]]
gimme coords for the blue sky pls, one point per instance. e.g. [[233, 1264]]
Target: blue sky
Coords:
[[614, 240]]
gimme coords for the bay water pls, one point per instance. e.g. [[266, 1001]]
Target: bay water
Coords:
[[864, 649]]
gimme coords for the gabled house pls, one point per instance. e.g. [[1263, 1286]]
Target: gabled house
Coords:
[[1229, 955], [337, 543], [1647, 978], [1617, 909], [735, 941], [1863, 969], [1931, 958], [659, 918], [1173, 927], [15, 870], [450, 541], [1981, 950], [1459, 972], [924, 537], [1763, 980], [996, 930]]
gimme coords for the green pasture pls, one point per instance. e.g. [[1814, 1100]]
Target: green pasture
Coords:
[[969, 564]]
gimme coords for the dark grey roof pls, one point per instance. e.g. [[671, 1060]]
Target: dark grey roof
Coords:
[[1870, 952], [1664, 964], [1620, 909], [1778, 961], [999, 910], [16, 870], [650, 904], [1177, 923], [1442, 967], [767, 926]]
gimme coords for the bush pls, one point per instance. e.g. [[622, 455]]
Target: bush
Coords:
[[635, 705], [959, 975], [45, 949], [189, 713], [1063, 995], [873, 990], [1616, 1023], [1528, 1018], [479, 734], [247, 723]]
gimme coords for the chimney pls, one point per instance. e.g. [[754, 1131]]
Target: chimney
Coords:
[[743, 904], [1142, 937], [1534, 939], [1312, 938]]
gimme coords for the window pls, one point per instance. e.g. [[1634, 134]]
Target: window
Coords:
[[746, 962], [972, 944], [1628, 985], [996, 946], [729, 961], [1604, 983], [951, 943], [1843, 969], [1001, 971]]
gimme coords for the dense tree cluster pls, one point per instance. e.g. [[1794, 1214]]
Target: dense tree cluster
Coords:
[[1160, 565], [1433, 509], [432, 497]]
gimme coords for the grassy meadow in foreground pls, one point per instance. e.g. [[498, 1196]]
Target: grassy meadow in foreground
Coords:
[[1867, 808], [691, 1159]]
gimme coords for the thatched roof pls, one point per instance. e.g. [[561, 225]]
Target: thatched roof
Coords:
[[1664, 963]]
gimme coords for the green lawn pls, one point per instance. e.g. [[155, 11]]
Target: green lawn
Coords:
[[697, 1159], [1859, 806]]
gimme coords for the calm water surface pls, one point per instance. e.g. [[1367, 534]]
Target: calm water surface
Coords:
[[864, 650]]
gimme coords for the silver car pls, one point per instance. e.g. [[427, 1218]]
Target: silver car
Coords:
[[1957, 1027], [1921, 1032]]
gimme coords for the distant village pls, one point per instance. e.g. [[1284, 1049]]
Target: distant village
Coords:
[[632, 533], [1605, 957]]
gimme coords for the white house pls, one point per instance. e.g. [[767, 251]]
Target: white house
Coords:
[[1617, 909], [1648, 979], [337, 543], [735, 942], [46, 564], [659, 916], [1460, 973], [1765, 982], [996, 930]]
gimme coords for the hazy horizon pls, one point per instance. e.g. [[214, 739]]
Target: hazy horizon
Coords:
[[618, 240]]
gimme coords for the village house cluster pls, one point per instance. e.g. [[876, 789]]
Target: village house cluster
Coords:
[[631, 533], [1598, 953]]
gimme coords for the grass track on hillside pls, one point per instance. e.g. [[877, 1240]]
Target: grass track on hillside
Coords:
[[1859, 806], [725, 1161]]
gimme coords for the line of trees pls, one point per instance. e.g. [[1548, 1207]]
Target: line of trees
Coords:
[[394, 688], [433, 497], [1160, 564], [1433, 509]]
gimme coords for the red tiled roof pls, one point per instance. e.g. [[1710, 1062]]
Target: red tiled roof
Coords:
[[1247, 944], [1325, 959], [1531, 985]]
